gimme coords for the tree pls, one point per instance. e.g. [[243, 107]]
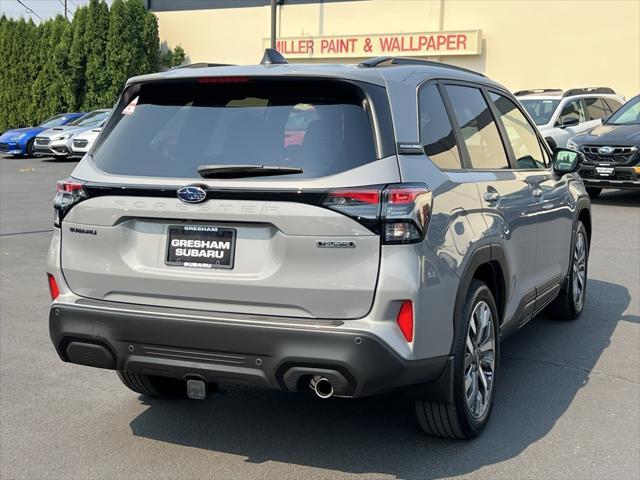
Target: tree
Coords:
[[76, 87], [95, 42], [59, 66], [173, 58]]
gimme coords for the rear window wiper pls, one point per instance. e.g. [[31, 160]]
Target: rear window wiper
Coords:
[[241, 171]]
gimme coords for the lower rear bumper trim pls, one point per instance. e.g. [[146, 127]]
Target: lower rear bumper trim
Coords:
[[178, 347]]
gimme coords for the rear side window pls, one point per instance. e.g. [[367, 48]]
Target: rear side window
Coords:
[[436, 132], [596, 108], [613, 105], [522, 137], [172, 128], [478, 127], [572, 109]]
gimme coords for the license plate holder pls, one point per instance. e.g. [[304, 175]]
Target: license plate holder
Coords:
[[605, 171], [201, 246]]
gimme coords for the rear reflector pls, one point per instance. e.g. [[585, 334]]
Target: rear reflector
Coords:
[[405, 320], [53, 287]]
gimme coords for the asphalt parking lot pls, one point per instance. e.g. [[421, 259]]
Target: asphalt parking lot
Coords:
[[568, 403]]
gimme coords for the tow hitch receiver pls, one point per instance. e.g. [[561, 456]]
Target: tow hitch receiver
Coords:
[[196, 389]]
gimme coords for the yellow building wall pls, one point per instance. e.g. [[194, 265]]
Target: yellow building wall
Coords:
[[526, 43]]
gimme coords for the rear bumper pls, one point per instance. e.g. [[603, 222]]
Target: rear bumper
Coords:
[[281, 355]]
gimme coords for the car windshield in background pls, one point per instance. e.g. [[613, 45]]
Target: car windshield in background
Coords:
[[54, 121], [628, 114], [90, 119], [541, 111], [171, 128]]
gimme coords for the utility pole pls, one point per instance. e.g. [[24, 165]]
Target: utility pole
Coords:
[[274, 6], [66, 16]]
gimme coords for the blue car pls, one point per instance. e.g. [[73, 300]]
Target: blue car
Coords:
[[20, 141]]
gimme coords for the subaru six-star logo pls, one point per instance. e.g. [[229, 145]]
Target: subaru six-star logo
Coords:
[[605, 150], [192, 194]]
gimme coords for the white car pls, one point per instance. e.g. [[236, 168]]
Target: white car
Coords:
[[57, 141], [83, 142], [561, 115]]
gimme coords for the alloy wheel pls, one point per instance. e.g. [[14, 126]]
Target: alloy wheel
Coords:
[[479, 360], [579, 270]]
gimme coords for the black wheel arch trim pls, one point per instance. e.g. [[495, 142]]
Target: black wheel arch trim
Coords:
[[483, 254]]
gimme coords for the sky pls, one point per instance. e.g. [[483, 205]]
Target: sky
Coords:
[[39, 8]]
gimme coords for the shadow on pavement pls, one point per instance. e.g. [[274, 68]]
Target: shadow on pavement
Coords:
[[543, 367], [619, 198]]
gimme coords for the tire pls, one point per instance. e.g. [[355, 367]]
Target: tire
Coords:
[[153, 386], [459, 419], [594, 192], [569, 304], [29, 149]]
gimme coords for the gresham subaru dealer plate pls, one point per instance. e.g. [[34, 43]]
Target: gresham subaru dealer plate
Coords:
[[201, 246]]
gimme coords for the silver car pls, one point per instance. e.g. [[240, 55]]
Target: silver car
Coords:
[[57, 141], [82, 142], [348, 230], [560, 115]]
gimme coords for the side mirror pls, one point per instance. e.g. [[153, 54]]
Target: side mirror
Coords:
[[566, 161], [569, 122]]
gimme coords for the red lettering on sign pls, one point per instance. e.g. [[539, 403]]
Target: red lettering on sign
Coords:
[[442, 39], [462, 41], [451, 42]]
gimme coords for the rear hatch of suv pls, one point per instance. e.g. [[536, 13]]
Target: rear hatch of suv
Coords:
[[211, 193]]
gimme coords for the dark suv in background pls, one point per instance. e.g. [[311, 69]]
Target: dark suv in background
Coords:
[[352, 229], [612, 151]]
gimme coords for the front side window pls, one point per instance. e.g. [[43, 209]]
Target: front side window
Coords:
[[572, 109], [596, 108], [172, 128], [522, 137], [478, 127], [436, 132]]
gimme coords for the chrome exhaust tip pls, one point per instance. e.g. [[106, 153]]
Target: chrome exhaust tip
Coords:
[[321, 386]]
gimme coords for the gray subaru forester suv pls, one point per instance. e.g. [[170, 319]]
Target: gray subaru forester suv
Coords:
[[345, 229]]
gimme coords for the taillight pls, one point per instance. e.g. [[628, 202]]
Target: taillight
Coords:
[[68, 193], [405, 320], [53, 286], [398, 212]]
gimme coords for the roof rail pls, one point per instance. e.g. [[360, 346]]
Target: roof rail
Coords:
[[536, 91], [390, 61], [203, 65], [587, 90]]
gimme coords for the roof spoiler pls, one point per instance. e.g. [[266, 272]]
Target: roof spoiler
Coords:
[[390, 61], [273, 57]]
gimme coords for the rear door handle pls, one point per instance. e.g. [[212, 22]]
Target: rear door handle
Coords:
[[537, 192], [492, 197]]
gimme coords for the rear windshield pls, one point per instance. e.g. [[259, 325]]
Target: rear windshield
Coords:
[[169, 129]]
